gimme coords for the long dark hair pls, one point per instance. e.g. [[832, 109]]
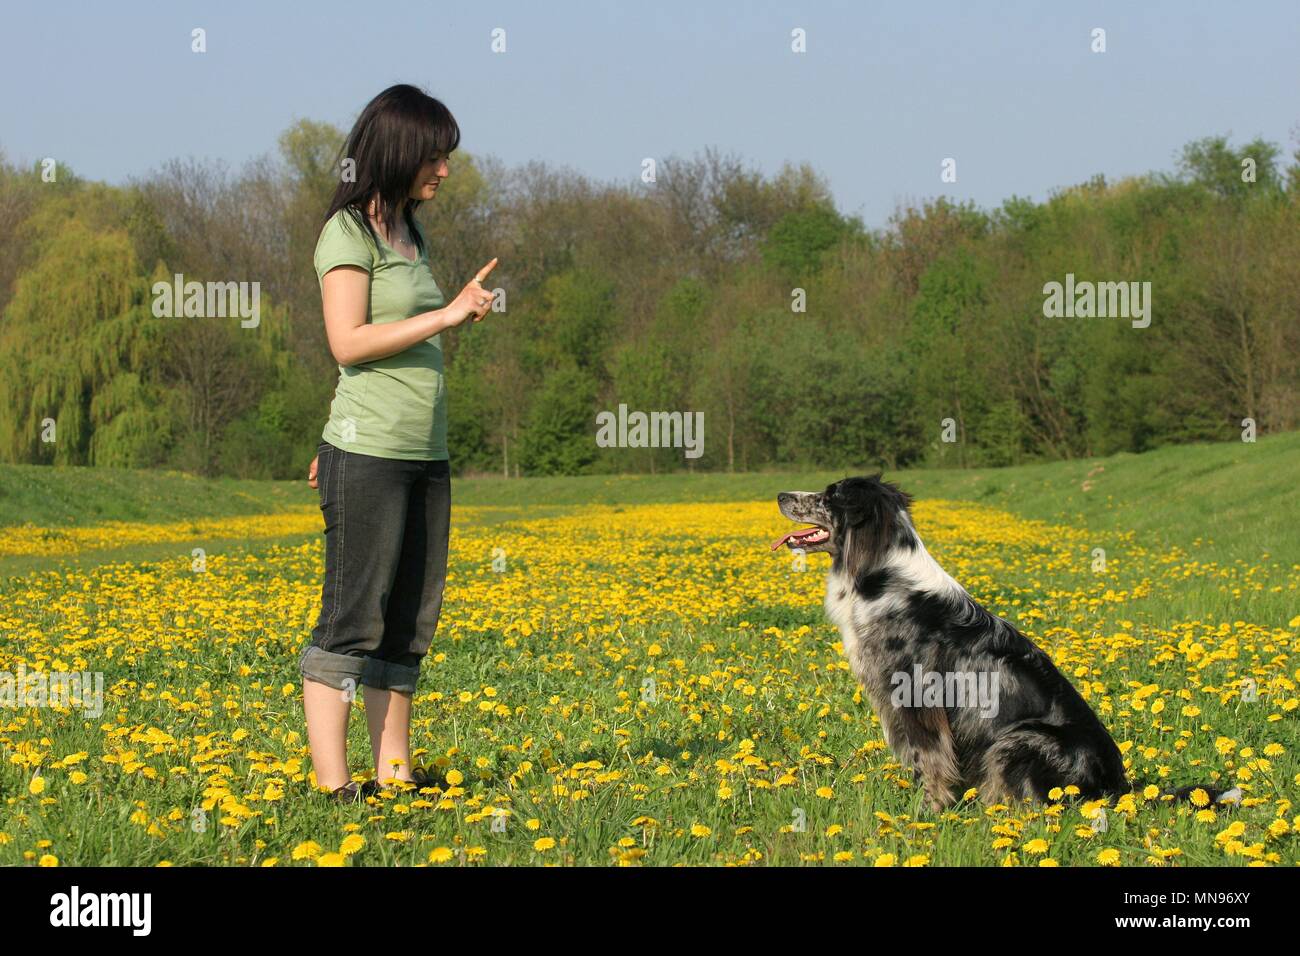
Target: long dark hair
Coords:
[[395, 134]]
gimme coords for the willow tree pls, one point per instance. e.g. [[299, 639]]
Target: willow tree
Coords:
[[76, 337]]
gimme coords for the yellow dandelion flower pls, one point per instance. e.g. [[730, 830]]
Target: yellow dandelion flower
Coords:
[[309, 850], [352, 844]]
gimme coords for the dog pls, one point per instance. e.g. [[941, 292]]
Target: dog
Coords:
[[964, 699]]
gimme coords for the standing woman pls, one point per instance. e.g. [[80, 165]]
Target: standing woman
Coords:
[[382, 466]]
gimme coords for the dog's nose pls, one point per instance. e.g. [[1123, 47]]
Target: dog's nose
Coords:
[[784, 497]]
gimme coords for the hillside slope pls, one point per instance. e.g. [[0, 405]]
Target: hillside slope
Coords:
[[1244, 498]]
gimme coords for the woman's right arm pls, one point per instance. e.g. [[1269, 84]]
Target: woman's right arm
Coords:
[[345, 298]]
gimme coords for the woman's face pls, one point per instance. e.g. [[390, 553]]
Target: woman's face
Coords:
[[433, 171]]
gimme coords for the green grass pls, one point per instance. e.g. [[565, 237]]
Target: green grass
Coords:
[[1243, 498], [1240, 500], [63, 497], [213, 654]]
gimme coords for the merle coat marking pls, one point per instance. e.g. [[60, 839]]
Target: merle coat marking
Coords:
[[896, 609]]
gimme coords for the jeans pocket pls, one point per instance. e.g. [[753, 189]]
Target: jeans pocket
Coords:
[[324, 457]]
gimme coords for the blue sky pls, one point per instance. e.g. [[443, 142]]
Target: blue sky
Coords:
[[885, 93]]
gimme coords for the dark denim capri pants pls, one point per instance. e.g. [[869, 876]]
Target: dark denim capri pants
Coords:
[[386, 527]]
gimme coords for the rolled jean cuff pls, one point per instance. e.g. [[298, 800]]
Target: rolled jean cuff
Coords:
[[332, 670], [385, 675]]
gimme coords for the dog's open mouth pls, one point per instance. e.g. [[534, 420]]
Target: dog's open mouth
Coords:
[[802, 537]]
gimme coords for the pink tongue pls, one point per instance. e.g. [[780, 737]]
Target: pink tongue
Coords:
[[783, 540], [793, 534]]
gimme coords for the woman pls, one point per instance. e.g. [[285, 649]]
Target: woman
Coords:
[[382, 466]]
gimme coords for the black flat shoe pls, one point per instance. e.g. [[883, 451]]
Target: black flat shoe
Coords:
[[419, 780], [353, 792], [350, 792]]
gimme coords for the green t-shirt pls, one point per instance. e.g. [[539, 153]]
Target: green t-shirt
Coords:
[[394, 407]]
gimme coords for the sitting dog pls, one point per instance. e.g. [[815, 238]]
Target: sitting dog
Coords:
[[964, 698]]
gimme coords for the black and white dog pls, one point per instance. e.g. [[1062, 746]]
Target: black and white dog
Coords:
[[964, 698]]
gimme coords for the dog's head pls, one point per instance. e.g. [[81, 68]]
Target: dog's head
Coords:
[[855, 520]]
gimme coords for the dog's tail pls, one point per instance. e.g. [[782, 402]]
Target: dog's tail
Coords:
[[1197, 794]]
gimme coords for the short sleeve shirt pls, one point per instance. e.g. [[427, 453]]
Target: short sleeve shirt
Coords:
[[394, 407]]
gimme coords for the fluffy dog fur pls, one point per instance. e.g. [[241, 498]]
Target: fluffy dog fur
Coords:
[[896, 609]]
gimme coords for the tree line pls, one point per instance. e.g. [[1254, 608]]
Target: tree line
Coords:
[[801, 337]]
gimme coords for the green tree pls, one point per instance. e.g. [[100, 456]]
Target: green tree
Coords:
[[798, 241], [76, 345], [559, 436], [1211, 162]]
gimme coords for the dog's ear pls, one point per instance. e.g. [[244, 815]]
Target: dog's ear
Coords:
[[890, 491], [869, 512], [849, 498], [903, 499], [867, 500]]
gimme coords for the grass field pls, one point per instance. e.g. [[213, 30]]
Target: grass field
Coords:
[[643, 683]]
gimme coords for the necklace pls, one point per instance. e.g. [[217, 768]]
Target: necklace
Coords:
[[370, 211]]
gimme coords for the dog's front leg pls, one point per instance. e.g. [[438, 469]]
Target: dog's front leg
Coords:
[[924, 739]]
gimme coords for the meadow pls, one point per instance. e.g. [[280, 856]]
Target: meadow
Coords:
[[625, 675]]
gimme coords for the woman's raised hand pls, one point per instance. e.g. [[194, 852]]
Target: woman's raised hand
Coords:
[[474, 301]]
